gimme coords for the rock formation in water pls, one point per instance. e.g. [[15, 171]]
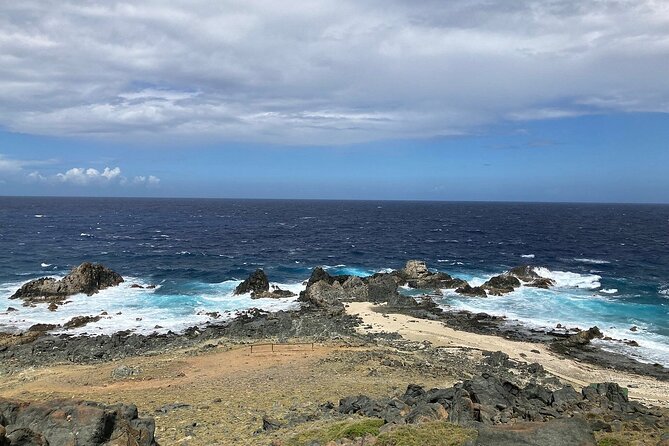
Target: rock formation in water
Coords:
[[258, 285], [87, 278]]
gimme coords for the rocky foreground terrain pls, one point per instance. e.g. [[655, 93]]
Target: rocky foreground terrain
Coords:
[[353, 386]]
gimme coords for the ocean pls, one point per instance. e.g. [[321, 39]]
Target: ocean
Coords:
[[610, 261]]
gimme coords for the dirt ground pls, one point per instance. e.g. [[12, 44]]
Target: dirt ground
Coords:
[[227, 389]]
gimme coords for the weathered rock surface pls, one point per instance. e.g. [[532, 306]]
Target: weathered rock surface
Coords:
[[530, 415], [526, 273], [468, 290], [68, 422], [502, 284], [79, 321], [325, 296], [258, 285], [416, 274], [330, 292], [87, 278], [257, 282], [579, 339]]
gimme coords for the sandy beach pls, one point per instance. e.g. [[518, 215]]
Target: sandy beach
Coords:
[[642, 388]]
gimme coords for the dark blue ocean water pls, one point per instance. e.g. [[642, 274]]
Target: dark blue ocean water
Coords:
[[611, 261]]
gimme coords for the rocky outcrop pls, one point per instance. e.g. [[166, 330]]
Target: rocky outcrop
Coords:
[[526, 273], [257, 282], [502, 284], [578, 340], [325, 295], [326, 291], [468, 290], [80, 321], [87, 278], [530, 415], [416, 274], [65, 422], [543, 282], [258, 285]]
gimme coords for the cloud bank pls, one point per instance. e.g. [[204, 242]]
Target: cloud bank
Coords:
[[17, 169], [326, 71]]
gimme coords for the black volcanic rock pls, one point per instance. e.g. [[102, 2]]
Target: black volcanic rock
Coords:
[[526, 273], [87, 278], [257, 282], [468, 290], [68, 422], [502, 284]]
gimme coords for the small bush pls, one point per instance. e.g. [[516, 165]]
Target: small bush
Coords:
[[427, 434], [336, 431]]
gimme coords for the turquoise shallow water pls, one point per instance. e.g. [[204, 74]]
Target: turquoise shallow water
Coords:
[[611, 262]]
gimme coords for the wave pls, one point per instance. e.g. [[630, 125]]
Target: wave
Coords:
[[566, 279], [134, 306], [527, 256], [45, 265], [609, 291], [592, 261]]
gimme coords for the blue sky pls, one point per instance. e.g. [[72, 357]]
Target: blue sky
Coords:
[[453, 100]]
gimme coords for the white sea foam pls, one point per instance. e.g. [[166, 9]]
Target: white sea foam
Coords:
[[140, 309], [592, 261], [609, 291], [572, 307], [527, 256], [566, 279], [85, 234], [45, 265], [39, 215]]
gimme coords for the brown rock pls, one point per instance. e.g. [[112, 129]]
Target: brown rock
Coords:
[[80, 321], [87, 278]]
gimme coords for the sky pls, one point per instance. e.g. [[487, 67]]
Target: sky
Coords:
[[531, 100]]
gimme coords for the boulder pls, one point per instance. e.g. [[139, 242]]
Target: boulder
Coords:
[[381, 288], [526, 273], [324, 295], [80, 321], [319, 274], [356, 289], [543, 282], [415, 269], [62, 422], [257, 282], [416, 275], [580, 339], [87, 278], [502, 284], [468, 290]]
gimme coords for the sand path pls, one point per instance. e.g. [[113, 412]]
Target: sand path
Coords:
[[579, 374]]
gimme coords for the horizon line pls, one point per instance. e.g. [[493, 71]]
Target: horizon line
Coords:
[[391, 200]]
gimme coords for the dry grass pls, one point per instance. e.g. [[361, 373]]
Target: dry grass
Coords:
[[227, 388]]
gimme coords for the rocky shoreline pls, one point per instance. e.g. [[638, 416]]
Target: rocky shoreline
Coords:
[[322, 317]]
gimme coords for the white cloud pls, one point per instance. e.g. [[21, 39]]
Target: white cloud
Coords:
[[327, 71], [16, 170], [150, 180], [81, 176], [89, 176]]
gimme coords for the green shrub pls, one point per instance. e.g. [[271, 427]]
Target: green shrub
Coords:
[[427, 434], [336, 431]]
